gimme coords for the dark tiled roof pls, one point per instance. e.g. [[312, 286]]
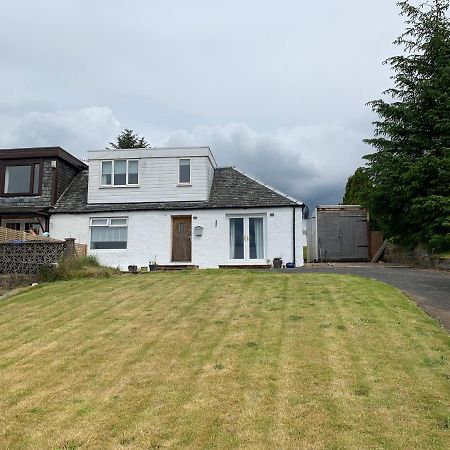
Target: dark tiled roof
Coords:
[[11, 210], [230, 189], [42, 152]]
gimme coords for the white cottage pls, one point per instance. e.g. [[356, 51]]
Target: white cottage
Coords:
[[176, 207]]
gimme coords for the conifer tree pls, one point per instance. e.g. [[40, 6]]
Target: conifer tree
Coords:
[[410, 169], [129, 139]]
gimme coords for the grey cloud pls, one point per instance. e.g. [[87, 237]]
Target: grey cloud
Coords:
[[75, 130], [311, 163], [277, 88]]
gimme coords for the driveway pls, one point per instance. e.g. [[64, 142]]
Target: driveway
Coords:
[[429, 288]]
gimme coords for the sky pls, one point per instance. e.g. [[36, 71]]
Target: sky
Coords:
[[275, 88]]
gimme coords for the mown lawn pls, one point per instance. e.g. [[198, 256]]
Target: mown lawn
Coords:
[[221, 359]]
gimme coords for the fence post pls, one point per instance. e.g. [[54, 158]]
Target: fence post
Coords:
[[69, 250]]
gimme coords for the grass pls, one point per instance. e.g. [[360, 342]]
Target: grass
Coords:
[[212, 359], [445, 255]]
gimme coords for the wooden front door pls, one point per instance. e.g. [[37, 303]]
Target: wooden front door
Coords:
[[181, 238]]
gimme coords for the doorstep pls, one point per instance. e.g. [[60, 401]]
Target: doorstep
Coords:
[[245, 266], [176, 267]]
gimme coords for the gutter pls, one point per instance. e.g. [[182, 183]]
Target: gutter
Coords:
[[293, 234]]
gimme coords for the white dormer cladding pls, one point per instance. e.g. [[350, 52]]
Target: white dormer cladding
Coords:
[[158, 175]]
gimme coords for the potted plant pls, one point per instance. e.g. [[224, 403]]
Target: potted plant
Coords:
[[277, 263], [152, 265], [132, 269]]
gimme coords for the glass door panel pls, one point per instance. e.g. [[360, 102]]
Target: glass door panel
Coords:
[[256, 237], [237, 238]]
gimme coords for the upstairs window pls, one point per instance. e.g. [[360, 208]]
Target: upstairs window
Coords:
[[109, 233], [120, 172], [184, 171], [21, 179]]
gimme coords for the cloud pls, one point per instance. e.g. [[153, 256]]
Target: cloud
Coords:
[[76, 130], [311, 163]]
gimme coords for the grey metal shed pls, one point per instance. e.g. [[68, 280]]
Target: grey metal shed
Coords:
[[338, 233]]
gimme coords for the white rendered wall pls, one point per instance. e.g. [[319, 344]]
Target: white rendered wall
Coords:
[[149, 236]]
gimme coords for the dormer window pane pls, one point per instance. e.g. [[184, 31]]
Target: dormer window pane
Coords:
[[36, 178], [133, 175], [120, 173], [17, 179], [106, 173], [184, 171]]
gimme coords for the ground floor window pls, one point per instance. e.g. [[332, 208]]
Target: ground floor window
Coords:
[[26, 225], [109, 232], [247, 238]]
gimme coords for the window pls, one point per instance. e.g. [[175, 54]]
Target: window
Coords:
[[22, 225], [184, 170], [133, 175], [109, 233], [21, 179], [106, 173], [120, 172]]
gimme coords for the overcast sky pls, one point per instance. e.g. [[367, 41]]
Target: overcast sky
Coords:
[[276, 88]]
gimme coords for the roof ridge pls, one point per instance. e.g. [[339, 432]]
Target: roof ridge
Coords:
[[268, 186]]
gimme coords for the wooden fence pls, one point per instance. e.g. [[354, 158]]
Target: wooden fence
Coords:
[[8, 235], [26, 253]]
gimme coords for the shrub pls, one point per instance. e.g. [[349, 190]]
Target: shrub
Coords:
[[440, 243], [75, 268]]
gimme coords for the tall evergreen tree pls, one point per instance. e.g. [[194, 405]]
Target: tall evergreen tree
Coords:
[[358, 188], [129, 139], [410, 170]]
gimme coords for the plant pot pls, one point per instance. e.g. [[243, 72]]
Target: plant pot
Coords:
[[152, 267], [277, 263]]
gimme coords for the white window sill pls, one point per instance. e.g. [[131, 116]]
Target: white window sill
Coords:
[[184, 184], [108, 249], [123, 186]]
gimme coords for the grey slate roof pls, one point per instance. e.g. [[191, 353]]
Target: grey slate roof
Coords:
[[230, 189]]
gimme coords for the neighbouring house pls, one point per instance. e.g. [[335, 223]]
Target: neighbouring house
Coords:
[[31, 181], [175, 207], [338, 233]]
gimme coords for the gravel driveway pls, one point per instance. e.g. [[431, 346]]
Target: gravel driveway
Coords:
[[429, 288]]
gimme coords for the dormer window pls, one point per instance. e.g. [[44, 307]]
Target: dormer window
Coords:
[[120, 172], [184, 171], [21, 178]]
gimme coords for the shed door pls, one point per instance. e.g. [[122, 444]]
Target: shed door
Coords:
[[353, 237], [181, 238]]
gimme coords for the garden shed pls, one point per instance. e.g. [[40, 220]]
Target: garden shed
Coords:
[[338, 233]]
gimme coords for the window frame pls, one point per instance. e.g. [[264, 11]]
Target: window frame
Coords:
[[246, 217], [127, 184], [22, 162], [185, 183], [21, 222], [108, 225], [108, 221]]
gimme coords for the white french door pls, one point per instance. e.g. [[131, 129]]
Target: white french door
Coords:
[[247, 238]]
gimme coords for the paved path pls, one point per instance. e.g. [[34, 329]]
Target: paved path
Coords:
[[429, 288]]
